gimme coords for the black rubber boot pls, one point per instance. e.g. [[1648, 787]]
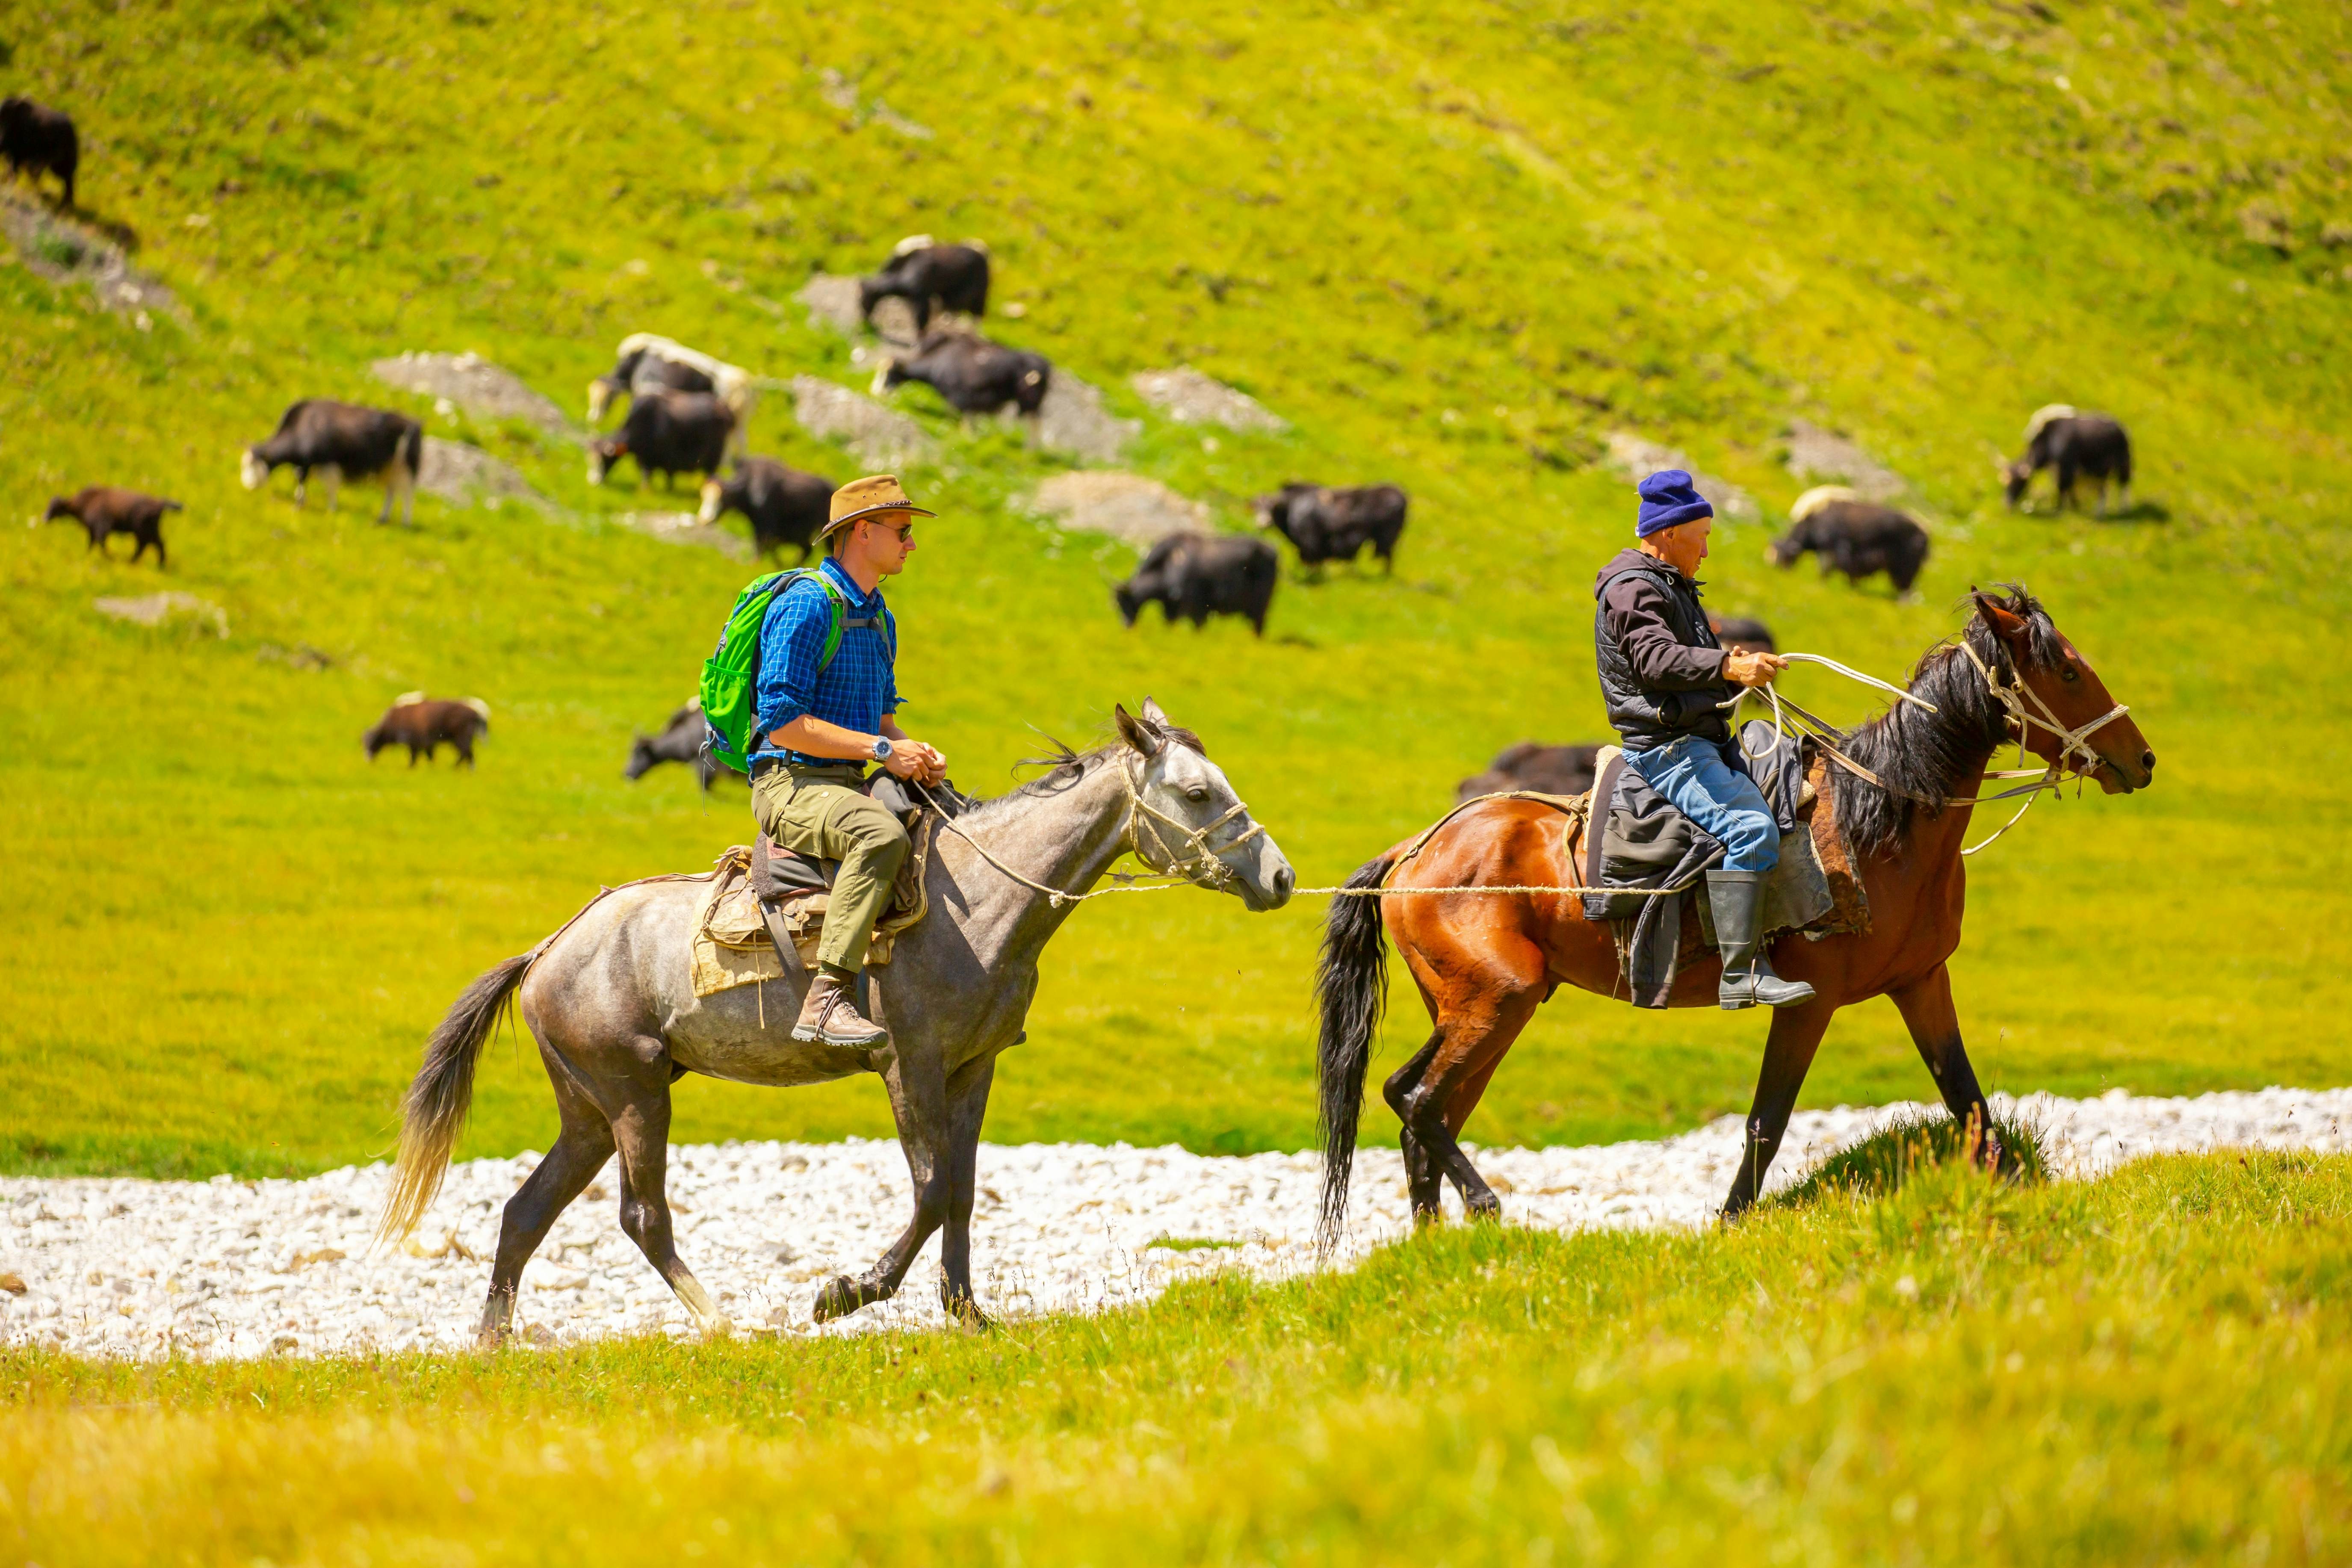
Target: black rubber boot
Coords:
[[1737, 901]]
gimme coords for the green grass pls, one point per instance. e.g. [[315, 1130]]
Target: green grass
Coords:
[[2151, 1368], [1912, 1142], [1453, 246]]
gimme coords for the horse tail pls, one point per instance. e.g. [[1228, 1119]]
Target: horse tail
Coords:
[[1351, 986], [437, 1102]]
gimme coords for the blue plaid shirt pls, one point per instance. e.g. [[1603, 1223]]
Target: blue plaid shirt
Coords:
[[855, 690]]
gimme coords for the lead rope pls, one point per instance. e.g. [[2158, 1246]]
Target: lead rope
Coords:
[[1203, 866]]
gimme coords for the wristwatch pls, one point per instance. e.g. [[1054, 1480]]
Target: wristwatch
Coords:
[[882, 748]]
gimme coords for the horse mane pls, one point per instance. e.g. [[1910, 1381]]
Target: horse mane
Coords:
[[1921, 755], [1065, 766]]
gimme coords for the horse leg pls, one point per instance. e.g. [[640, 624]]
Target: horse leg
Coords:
[[580, 1151], [1788, 1052], [1926, 1008], [967, 1105], [1423, 1181], [642, 1132], [1463, 1052], [919, 1102]]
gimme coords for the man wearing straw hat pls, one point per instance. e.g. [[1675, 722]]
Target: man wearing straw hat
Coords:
[[821, 722], [1668, 684]]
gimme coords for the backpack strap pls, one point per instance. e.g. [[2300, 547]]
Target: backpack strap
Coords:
[[838, 603]]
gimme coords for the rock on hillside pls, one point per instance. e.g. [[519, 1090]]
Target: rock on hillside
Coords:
[[881, 437], [1125, 506], [154, 609], [1635, 457], [1074, 420], [1815, 454], [64, 251], [467, 476], [473, 383], [1187, 396], [685, 528], [832, 301]]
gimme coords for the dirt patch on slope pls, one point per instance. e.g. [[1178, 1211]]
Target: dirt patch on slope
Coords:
[[1125, 506], [1636, 456], [475, 384], [65, 252], [467, 476], [1815, 454], [1187, 396], [154, 609], [881, 437], [1074, 420]]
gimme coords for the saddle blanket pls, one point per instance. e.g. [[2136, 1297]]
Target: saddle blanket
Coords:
[[1643, 842], [731, 943]]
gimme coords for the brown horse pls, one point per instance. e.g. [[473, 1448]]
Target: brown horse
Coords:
[[1485, 962]]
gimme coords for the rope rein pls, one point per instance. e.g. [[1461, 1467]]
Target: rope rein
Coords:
[[1202, 865]]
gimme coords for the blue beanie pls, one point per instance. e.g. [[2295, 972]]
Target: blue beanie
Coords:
[[1668, 497]]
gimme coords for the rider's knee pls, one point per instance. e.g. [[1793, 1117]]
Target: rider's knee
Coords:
[[1753, 843]]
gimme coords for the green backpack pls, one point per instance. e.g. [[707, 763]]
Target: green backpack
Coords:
[[729, 674]]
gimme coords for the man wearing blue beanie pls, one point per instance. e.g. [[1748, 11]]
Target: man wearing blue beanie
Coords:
[[1667, 681]]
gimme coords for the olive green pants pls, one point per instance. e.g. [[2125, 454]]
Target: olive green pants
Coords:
[[822, 815]]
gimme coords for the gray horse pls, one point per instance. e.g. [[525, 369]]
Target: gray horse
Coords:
[[611, 1001]]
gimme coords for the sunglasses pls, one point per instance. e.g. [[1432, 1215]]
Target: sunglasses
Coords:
[[905, 530]]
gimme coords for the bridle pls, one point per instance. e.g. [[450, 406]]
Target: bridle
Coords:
[[2075, 757], [1200, 859], [1200, 863], [2014, 694]]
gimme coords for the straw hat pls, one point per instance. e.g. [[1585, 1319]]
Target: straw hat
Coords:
[[864, 497]]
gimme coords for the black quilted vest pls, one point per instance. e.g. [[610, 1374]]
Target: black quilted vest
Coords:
[[1647, 719]]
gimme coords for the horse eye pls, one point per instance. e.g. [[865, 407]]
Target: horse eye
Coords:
[[2069, 673], [1196, 793]]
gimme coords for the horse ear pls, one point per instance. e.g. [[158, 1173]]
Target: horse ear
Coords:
[[2004, 625], [1155, 714], [1140, 736]]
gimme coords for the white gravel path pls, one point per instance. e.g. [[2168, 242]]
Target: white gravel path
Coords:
[[225, 1269]]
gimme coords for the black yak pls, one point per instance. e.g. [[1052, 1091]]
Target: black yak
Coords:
[[1193, 576], [1853, 536], [2079, 446]]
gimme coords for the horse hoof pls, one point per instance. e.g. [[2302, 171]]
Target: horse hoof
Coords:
[[1486, 1210], [964, 1312], [490, 1339], [837, 1299]]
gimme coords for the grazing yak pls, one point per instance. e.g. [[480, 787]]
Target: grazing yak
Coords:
[[680, 741], [1853, 536], [1193, 576], [421, 723], [974, 374], [952, 278], [648, 364], [2091, 446], [1742, 634], [785, 506], [668, 433], [1328, 523], [106, 509], [41, 139], [348, 442], [1531, 764]]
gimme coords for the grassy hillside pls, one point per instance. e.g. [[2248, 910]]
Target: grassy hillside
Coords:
[[2147, 1369], [1453, 247]]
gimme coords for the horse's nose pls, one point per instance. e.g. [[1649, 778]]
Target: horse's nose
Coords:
[[1283, 882], [2147, 764]]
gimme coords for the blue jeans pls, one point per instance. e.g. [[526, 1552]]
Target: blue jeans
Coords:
[[1706, 783]]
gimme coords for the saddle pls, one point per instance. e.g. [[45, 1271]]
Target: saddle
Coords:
[[765, 912]]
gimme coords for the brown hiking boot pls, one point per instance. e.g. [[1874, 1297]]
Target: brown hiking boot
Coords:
[[829, 1013]]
